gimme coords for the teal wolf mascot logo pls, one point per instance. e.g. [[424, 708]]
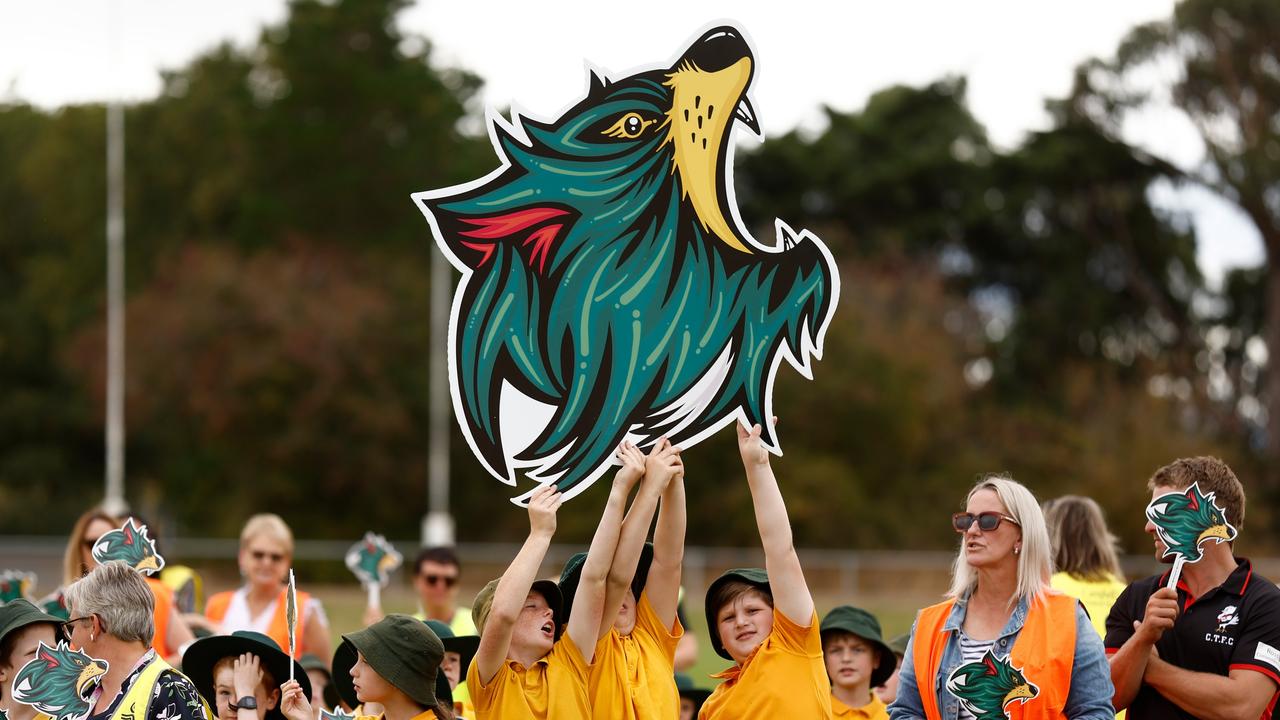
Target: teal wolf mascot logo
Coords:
[[58, 681], [608, 289]]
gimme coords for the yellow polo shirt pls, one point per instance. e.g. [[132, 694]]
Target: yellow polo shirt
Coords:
[[633, 677], [783, 677], [873, 710], [554, 688]]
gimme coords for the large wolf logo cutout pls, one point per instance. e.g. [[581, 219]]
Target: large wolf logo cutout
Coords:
[[1186, 519], [986, 686], [609, 290], [58, 681]]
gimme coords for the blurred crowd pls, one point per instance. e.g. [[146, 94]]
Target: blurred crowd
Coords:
[[1039, 616]]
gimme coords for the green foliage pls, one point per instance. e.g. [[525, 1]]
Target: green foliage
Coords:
[[1001, 310]]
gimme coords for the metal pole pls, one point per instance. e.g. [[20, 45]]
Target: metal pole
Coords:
[[114, 501], [438, 526]]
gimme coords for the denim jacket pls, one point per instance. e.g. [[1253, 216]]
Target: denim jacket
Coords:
[[1091, 690]]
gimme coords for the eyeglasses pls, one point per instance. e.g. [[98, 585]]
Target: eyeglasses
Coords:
[[987, 521], [448, 580], [70, 625], [261, 555]]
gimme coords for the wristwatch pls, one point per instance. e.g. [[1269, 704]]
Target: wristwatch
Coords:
[[248, 702]]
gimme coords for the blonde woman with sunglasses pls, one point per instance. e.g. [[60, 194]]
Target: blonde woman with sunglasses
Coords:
[[266, 552], [1003, 640]]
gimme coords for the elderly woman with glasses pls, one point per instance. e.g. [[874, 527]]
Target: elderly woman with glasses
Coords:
[[266, 551], [112, 619], [1003, 638]]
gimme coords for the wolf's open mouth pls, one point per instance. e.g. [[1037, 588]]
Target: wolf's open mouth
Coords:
[[88, 680], [709, 85]]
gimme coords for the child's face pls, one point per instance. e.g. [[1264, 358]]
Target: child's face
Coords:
[[451, 666], [686, 709], [850, 660], [369, 685], [535, 628], [224, 692], [744, 624], [319, 681], [626, 620]]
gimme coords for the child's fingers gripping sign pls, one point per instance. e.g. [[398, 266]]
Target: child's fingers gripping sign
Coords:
[[543, 505]]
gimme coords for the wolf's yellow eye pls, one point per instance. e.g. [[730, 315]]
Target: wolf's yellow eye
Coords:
[[628, 127]]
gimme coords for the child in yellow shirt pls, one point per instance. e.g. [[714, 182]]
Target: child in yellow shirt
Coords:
[[857, 660], [632, 676], [764, 620], [524, 668]]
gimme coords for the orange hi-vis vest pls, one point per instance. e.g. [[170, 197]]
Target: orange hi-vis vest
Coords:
[[164, 610], [1044, 651], [278, 630]]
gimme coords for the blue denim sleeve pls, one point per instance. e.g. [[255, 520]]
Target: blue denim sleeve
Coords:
[[1091, 688], [907, 705]]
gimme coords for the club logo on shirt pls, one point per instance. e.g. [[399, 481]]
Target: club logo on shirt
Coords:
[[1228, 618], [986, 686]]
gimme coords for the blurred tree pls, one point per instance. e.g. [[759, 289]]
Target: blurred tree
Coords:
[[1227, 83]]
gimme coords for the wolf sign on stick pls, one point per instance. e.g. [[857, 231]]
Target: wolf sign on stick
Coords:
[[1185, 520], [372, 560], [130, 544], [609, 290], [58, 681]]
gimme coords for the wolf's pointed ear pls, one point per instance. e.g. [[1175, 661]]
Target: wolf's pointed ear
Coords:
[[595, 83], [1193, 499]]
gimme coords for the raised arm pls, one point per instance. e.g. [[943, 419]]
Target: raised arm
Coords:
[[588, 603], [662, 463], [1129, 663], [663, 587], [786, 578], [514, 586]]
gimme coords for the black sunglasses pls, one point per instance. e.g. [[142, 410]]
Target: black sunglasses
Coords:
[[987, 521], [449, 580]]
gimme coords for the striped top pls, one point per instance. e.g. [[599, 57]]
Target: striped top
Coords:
[[971, 651]]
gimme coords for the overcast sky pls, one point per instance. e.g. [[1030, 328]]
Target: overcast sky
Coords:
[[533, 55]]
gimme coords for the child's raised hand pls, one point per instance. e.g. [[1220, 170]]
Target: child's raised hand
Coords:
[[663, 463], [632, 465], [246, 674], [294, 704], [750, 447], [542, 509]]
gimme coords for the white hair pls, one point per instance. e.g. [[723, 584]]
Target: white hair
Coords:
[[1035, 559], [118, 595]]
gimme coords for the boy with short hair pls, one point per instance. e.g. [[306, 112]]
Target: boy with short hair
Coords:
[[394, 663], [857, 660], [524, 669], [763, 618]]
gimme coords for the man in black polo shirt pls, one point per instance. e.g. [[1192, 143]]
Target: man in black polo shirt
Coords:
[[1211, 649]]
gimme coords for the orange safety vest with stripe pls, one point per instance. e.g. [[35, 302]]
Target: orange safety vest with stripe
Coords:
[[278, 629], [1044, 651], [164, 611]]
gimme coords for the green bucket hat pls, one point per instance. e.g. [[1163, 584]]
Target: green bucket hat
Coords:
[[465, 645], [203, 654], [572, 575], [862, 624], [899, 644], [311, 661], [687, 689], [17, 614], [756, 577], [550, 592], [401, 649]]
